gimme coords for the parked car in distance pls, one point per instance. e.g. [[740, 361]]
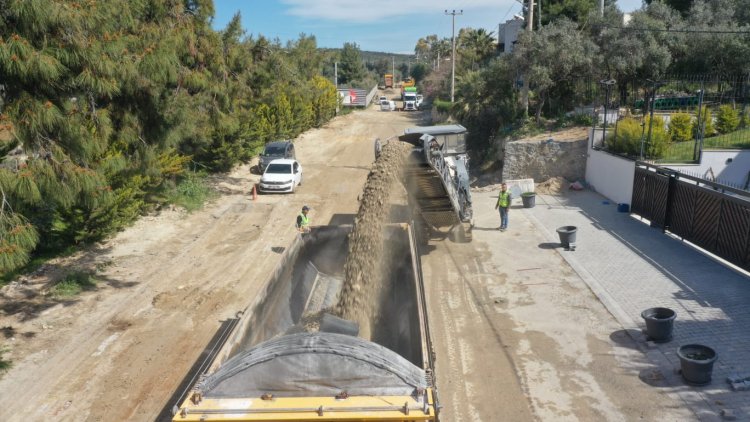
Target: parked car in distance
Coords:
[[420, 98], [273, 151], [382, 98], [386, 105], [281, 175]]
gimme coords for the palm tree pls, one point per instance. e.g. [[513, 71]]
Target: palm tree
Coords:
[[478, 45]]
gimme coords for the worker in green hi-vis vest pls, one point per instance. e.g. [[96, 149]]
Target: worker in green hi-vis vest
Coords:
[[303, 221], [503, 204]]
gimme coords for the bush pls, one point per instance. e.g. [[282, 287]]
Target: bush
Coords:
[[191, 192], [442, 106], [627, 140], [745, 119], [708, 123], [583, 119], [4, 364], [74, 283], [658, 142], [728, 119], [576, 120], [680, 127]]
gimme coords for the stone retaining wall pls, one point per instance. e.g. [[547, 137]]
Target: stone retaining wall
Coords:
[[544, 159]]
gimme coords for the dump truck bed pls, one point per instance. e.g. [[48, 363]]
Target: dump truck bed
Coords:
[[272, 368]]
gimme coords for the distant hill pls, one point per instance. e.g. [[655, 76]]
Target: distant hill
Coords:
[[375, 56]]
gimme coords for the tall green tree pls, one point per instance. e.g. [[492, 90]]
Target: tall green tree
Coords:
[[711, 52], [682, 6], [486, 101], [557, 53], [419, 71], [476, 46], [351, 67], [111, 102], [433, 49]]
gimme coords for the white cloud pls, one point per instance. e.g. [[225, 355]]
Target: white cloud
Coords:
[[359, 11]]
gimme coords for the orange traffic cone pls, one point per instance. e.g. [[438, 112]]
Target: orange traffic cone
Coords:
[[255, 193]]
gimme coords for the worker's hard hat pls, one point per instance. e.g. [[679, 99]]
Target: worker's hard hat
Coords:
[[305, 208]]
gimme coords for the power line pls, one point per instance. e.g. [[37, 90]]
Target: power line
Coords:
[[508, 12]]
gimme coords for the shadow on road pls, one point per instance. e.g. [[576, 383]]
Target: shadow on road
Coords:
[[550, 245], [486, 229], [199, 368], [626, 338]]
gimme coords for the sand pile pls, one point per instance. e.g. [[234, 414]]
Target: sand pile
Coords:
[[363, 275], [554, 186]]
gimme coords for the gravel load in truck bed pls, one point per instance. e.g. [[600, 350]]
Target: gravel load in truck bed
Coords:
[[360, 296]]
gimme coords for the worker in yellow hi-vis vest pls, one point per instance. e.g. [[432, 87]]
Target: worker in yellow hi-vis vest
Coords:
[[303, 221], [503, 204]]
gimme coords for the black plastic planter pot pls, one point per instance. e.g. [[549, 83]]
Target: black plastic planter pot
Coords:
[[659, 324], [697, 363], [529, 199], [567, 235]]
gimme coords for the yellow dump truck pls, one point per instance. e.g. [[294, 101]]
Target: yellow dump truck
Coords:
[[388, 80], [271, 367]]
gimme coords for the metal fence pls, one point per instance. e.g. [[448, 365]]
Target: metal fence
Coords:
[[673, 119], [714, 217], [356, 97]]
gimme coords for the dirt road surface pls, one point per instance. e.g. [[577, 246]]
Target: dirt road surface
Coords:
[[517, 334], [119, 352]]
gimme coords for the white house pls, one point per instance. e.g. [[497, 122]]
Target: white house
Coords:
[[507, 33]]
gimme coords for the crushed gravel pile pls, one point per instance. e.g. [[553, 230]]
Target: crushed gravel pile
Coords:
[[363, 275], [553, 186]]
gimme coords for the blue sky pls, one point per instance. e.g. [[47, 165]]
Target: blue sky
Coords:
[[376, 25]]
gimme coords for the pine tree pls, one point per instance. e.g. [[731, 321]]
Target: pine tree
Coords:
[[110, 101]]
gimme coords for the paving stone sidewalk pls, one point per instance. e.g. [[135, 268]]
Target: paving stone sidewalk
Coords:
[[632, 267]]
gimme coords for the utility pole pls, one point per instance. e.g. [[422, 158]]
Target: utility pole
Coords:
[[525, 89], [601, 8], [336, 84], [607, 85], [698, 149], [453, 14], [530, 22]]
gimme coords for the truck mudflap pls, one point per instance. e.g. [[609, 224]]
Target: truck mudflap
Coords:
[[271, 369]]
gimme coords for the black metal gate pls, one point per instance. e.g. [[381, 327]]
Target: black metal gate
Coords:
[[699, 211]]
